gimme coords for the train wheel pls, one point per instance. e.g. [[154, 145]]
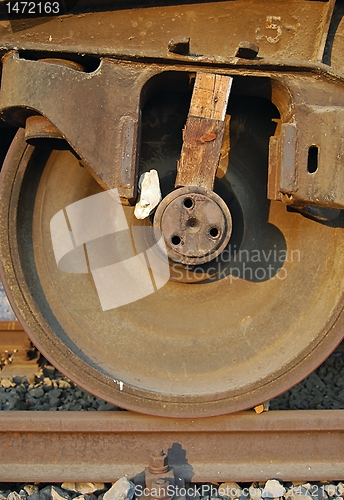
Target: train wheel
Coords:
[[265, 319]]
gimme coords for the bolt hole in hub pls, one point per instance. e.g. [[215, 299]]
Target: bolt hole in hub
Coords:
[[214, 232], [188, 203], [176, 240], [188, 350]]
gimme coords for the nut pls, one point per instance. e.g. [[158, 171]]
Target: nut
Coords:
[[158, 462]]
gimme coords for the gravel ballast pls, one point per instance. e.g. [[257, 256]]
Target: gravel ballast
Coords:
[[269, 490], [51, 391]]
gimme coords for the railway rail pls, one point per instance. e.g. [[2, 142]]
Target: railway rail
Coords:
[[103, 446]]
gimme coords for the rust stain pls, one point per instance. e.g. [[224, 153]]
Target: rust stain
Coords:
[[208, 137]]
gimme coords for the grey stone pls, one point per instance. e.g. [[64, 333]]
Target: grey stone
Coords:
[[273, 489], [54, 402], [18, 380], [15, 496], [84, 488], [230, 490], [63, 384], [13, 402], [36, 392], [55, 393], [53, 493], [106, 407], [121, 490]]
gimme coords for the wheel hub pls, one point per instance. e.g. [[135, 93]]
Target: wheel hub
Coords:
[[196, 224]]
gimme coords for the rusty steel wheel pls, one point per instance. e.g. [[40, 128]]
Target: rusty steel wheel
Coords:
[[205, 348]]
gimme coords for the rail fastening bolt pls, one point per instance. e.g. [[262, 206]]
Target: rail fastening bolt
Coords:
[[158, 463]]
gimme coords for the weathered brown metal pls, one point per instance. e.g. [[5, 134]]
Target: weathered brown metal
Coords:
[[82, 446], [158, 479], [310, 106], [179, 45], [160, 491], [196, 224], [109, 148], [158, 463], [39, 130], [324, 29], [247, 50], [294, 30], [316, 121]]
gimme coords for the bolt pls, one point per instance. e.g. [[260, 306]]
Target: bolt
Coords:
[[247, 50], [179, 45], [159, 452], [158, 462]]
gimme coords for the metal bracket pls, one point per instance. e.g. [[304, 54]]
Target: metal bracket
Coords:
[[97, 113], [306, 163]]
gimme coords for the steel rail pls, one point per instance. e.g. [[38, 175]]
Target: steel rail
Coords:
[[76, 446], [12, 336]]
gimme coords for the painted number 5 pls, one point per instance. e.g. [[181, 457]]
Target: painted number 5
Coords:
[[272, 23]]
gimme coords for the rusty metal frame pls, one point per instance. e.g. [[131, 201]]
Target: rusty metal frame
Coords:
[[307, 93], [311, 107]]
